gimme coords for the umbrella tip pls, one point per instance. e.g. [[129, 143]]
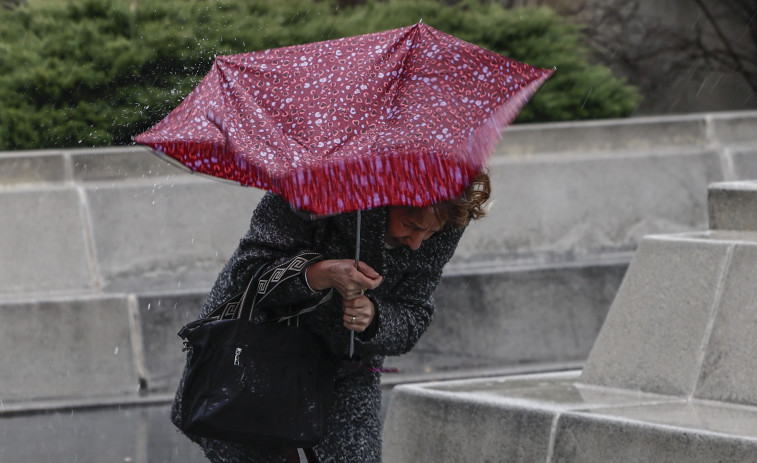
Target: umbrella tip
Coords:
[[420, 21]]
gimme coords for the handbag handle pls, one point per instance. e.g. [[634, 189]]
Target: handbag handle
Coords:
[[261, 286], [242, 305]]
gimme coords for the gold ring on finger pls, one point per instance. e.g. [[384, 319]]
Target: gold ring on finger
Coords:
[[353, 319]]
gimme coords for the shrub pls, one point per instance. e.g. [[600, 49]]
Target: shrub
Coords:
[[97, 72]]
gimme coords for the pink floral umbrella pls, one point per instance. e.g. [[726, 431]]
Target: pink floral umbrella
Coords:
[[401, 117]]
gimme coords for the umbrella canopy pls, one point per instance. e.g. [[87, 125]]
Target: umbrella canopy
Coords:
[[401, 117]]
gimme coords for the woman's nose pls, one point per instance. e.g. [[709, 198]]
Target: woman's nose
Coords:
[[414, 240]]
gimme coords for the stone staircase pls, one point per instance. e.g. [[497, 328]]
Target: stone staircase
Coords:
[[670, 378]]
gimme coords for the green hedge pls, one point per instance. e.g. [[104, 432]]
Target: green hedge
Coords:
[[97, 72]]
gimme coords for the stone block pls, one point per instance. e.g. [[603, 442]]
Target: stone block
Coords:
[[637, 134], [511, 317], [494, 419], [744, 160], [663, 433], [167, 236], [653, 335], [435, 426], [120, 163], [43, 245], [161, 317], [20, 167], [561, 209], [733, 206], [66, 348], [729, 370], [735, 127]]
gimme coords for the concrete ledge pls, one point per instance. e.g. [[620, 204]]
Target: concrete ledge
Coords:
[[43, 242], [679, 323], [664, 433], [168, 235], [160, 318], [18, 168], [74, 347], [632, 134], [637, 134], [120, 163], [492, 319], [432, 426], [485, 420], [548, 418], [729, 367], [732, 206], [483, 321], [654, 331], [734, 127], [744, 161], [563, 209]]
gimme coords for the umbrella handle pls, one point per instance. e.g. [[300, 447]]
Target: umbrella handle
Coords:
[[357, 266]]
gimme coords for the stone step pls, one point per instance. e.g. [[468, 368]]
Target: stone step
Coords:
[[134, 335], [67, 348], [681, 322], [731, 206], [637, 134], [121, 223], [549, 418]]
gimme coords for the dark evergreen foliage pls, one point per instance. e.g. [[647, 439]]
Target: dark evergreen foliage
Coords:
[[97, 72]]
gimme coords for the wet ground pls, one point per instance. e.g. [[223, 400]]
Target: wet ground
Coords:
[[127, 435]]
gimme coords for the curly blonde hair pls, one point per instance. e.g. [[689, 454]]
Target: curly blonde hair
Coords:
[[470, 205]]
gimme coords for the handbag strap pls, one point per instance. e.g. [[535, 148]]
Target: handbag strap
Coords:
[[262, 285], [230, 308]]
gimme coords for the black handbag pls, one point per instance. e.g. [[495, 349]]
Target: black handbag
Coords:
[[265, 384]]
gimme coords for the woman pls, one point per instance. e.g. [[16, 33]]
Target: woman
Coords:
[[387, 302]]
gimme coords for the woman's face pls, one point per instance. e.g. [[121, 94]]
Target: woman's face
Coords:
[[410, 226]]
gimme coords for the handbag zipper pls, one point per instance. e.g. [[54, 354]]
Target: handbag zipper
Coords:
[[236, 355]]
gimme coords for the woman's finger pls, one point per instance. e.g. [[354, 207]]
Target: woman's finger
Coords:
[[362, 281], [358, 313], [366, 270], [354, 323]]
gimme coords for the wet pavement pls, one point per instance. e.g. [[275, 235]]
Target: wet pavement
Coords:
[[127, 435]]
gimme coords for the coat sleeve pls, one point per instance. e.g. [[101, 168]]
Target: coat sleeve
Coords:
[[403, 316], [275, 239]]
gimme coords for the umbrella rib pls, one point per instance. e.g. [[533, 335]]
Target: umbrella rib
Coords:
[[414, 32]]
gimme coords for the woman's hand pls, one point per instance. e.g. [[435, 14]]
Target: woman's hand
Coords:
[[343, 276], [358, 314]]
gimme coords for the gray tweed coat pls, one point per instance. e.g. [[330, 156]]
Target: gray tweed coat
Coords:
[[404, 308]]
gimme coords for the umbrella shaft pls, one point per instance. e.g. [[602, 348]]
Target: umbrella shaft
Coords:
[[357, 265], [357, 243]]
